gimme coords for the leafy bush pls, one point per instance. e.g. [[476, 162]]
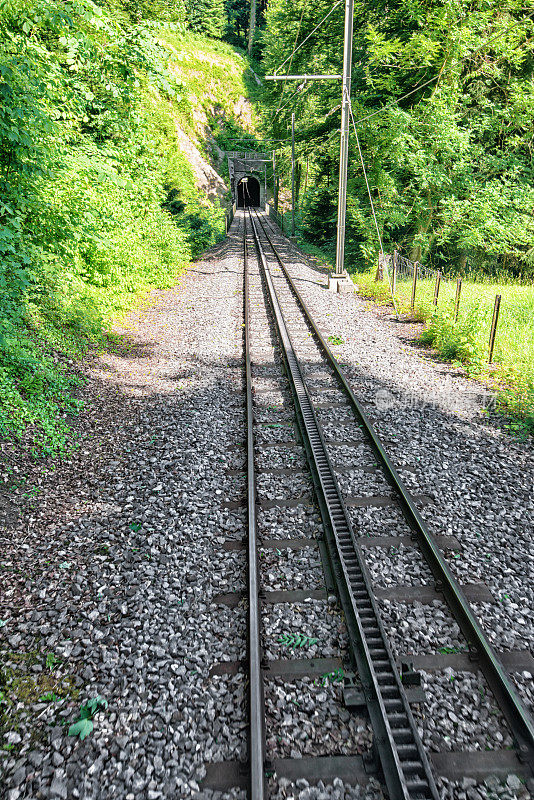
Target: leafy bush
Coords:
[[517, 402], [458, 341], [88, 158]]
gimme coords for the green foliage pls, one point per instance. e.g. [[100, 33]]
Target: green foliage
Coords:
[[230, 136], [207, 17], [450, 167], [82, 728], [98, 202], [51, 661], [294, 640], [329, 678], [238, 14], [512, 372], [49, 697], [517, 403], [173, 11], [457, 341], [84, 725], [336, 340]]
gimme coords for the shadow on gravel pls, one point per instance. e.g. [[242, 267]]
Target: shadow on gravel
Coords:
[[232, 245], [112, 565], [126, 347]]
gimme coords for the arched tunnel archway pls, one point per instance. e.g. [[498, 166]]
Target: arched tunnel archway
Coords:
[[248, 192]]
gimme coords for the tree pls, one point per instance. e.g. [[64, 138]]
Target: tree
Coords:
[[207, 17], [238, 14], [252, 25], [450, 165]]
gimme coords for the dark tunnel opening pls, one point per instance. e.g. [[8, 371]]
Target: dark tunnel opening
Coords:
[[248, 192]]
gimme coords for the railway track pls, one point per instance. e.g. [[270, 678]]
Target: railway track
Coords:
[[375, 679]]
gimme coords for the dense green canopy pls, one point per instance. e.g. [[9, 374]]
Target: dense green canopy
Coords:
[[97, 200], [451, 165]]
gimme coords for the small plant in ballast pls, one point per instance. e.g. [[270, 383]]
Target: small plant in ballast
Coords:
[[51, 661], [84, 725], [336, 340], [296, 640]]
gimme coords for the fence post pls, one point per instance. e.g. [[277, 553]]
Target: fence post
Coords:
[[493, 330], [436, 288], [414, 284], [457, 298], [379, 274], [394, 273]]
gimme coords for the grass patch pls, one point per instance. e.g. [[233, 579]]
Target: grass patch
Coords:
[[466, 341], [21, 688]]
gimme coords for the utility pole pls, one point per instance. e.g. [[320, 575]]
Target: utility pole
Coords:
[[275, 192], [292, 174], [339, 280], [252, 25]]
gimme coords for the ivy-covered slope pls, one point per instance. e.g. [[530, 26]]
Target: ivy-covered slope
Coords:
[[103, 123]]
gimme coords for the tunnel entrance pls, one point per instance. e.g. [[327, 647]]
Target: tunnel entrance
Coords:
[[248, 192]]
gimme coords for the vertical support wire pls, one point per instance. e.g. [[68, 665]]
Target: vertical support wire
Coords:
[[493, 330], [436, 288], [457, 299], [414, 283], [384, 262]]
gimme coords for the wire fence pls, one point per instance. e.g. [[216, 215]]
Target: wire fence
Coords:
[[422, 285], [278, 218]]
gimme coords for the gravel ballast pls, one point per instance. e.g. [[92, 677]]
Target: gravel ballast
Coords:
[[475, 482], [112, 568]]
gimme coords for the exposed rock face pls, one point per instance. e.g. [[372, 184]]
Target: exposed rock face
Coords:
[[243, 112], [207, 178], [207, 106]]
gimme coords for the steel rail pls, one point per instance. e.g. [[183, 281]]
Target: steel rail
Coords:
[[406, 769], [511, 705], [256, 741]]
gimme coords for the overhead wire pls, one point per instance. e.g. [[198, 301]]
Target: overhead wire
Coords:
[[281, 108], [290, 58], [364, 171], [266, 141], [295, 50]]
